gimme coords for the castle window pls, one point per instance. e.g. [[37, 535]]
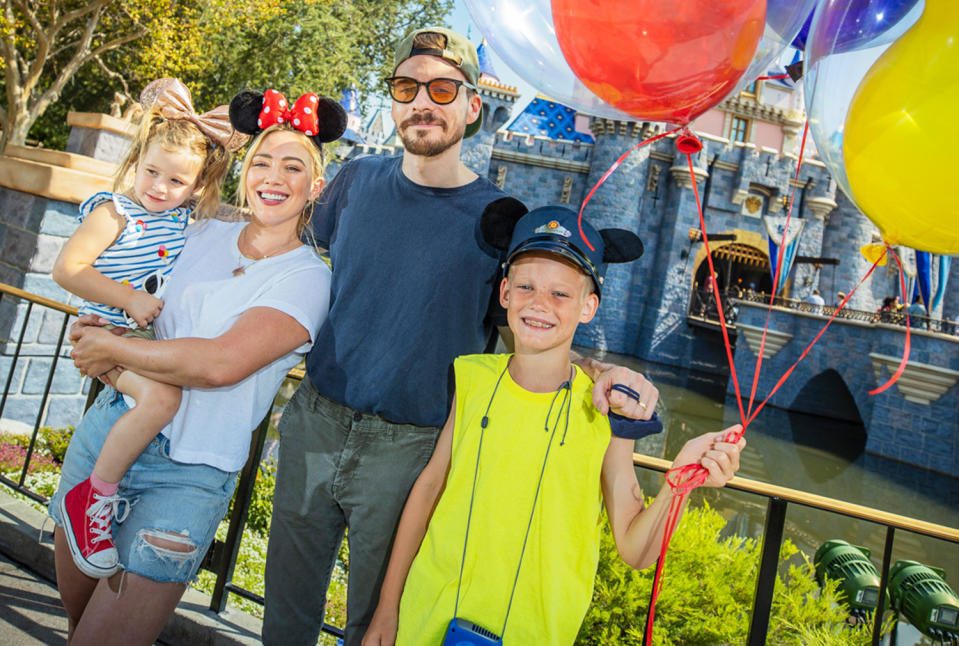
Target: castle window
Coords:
[[739, 129], [750, 90], [567, 189]]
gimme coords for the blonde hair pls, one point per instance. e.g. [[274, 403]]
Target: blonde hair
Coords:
[[317, 167], [178, 134]]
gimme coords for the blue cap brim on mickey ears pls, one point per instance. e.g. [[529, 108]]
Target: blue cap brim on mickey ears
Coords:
[[555, 229], [552, 244], [508, 226]]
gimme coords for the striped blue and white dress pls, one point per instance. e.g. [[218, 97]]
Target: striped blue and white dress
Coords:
[[148, 245]]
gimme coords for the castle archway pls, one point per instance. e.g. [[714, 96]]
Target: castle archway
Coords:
[[740, 268]]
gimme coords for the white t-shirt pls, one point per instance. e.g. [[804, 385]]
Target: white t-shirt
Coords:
[[204, 299]]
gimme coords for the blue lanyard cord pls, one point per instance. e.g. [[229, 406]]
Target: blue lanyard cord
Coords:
[[566, 388], [567, 401], [483, 424]]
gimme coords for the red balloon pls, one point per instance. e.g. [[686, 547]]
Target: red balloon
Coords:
[[659, 60]]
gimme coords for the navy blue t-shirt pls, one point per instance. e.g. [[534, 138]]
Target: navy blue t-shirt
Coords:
[[412, 282]]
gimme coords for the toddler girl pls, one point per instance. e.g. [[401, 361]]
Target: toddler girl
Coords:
[[118, 260]]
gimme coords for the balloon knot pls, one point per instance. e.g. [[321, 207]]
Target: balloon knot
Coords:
[[687, 143]]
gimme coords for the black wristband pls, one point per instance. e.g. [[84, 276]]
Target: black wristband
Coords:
[[634, 429]]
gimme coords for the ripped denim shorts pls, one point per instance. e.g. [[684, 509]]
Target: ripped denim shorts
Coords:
[[167, 497]]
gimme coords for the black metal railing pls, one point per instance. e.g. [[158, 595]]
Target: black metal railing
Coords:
[[221, 558], [702, 305], [222, 555], [777, 501]]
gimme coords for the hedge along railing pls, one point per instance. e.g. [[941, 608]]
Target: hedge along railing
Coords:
[[778, 499], [221, 558]]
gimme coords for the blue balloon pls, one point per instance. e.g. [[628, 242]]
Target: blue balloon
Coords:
[[853, 24], [799, 42]]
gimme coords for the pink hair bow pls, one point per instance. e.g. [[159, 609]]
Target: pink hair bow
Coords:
[[173, 99]]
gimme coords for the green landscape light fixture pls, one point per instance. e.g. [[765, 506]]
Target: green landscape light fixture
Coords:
[[920, 593], [857, 576]]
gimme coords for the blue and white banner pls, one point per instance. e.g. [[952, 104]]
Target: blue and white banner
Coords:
[[907, 256], [945, 262], [924, 277], [775, 226]]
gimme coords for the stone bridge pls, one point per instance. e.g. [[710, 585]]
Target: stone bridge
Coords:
[[914, 421]]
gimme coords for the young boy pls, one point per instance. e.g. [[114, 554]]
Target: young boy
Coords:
[[501, 531]]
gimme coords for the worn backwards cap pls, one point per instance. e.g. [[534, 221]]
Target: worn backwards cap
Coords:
[[457, 50], [555, 230]]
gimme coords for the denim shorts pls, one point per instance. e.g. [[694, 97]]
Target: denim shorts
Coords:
[[165, 496]]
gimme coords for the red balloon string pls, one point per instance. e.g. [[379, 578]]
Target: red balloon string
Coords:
[[610, 172], [672, 520], [788, 372], [715, 287], [779, 263], [905, 351]]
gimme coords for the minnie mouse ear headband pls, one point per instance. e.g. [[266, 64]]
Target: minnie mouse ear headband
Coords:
[[506, 225], [319, 118], [172, 98]]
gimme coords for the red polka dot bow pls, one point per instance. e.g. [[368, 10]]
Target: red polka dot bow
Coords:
[[301, 116]]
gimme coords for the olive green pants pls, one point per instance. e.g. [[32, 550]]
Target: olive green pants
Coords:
[[339, 470]]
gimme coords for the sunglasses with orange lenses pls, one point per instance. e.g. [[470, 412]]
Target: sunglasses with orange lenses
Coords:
[[441, 91]]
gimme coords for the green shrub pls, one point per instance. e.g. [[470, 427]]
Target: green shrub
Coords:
[[261, 502], [55, 441], [707, 594]]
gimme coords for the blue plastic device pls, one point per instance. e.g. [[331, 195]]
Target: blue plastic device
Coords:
[[465, 633]]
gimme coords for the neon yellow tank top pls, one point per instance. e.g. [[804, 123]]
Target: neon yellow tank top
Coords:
[[559, 565]]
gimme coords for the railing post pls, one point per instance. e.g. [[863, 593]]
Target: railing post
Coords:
[[883, 583], [16, 357], [768, 566], [43, 400], [224, 558]]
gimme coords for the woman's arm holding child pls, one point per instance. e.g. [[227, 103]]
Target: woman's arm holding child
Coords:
[[638, 530], [409, 535], [199, 362], [74, 271]]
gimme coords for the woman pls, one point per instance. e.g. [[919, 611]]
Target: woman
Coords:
[[243, 304]]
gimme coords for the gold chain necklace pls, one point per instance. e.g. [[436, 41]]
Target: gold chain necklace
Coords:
[[241, 268]]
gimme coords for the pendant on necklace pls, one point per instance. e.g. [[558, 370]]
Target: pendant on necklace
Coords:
[[239, 271]]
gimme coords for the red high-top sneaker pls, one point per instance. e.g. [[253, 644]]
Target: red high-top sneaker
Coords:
[[86, 522]]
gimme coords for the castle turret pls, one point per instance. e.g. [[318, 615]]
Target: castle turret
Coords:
[[616, 204], [498, 100]]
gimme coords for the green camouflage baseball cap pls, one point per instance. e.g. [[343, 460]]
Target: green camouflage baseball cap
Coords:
[[456, 50]]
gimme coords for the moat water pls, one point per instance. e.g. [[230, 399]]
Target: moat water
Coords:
[[807, 453]]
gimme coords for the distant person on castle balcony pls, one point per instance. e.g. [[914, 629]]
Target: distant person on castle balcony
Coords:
[[413, 285], [815, 300]]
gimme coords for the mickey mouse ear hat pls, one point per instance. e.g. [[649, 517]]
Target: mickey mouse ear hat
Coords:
[[320, 118], [555, 229]]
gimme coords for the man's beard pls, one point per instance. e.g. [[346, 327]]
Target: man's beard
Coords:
[[423, 146]]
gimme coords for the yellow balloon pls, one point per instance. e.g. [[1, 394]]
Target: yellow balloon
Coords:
[[875, 253], [900, 137]]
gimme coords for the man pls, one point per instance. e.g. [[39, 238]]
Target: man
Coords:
[[412, 283]]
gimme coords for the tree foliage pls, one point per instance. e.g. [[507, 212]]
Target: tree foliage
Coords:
[[89, 51]]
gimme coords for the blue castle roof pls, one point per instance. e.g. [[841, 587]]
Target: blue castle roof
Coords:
[[351, 103], [485, 62], [546, 118]]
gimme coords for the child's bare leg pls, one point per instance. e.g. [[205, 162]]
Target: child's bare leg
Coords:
[[88, 509], [156, 404]]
